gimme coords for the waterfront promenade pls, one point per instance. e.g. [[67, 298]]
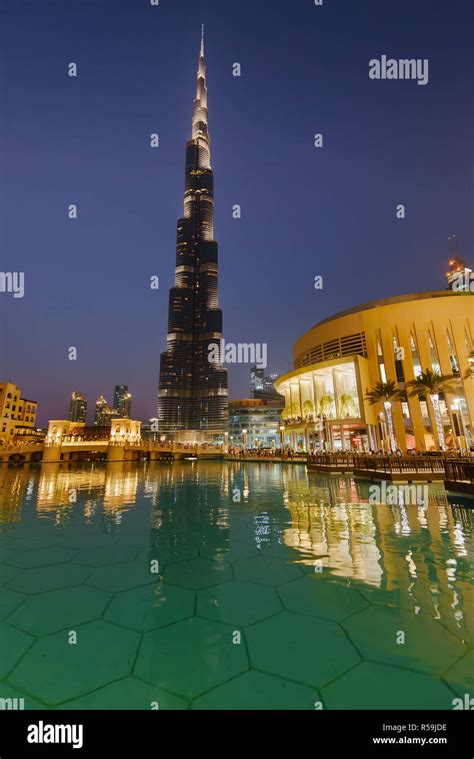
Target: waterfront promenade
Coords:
[[457, 472]]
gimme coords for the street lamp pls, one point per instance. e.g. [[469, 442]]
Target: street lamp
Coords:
[[244, 438], [458, 423], [383, 430], [282, 436], [327, 436]]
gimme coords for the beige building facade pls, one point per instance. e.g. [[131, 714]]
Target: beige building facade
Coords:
[[17, 414], [341, 358]]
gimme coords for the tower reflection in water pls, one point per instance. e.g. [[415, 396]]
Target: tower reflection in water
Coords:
[[416, 557]]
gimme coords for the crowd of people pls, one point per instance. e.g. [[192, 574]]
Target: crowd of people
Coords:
[[191, 447], [13, 445], [455, 452], [265, 453]]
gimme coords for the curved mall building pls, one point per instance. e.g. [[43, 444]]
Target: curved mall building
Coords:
[[339, 359]]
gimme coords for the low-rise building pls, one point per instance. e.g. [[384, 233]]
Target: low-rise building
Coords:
[[17, 414]]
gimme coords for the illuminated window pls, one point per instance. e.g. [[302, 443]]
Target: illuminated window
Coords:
[[452, 356], [399, 354], [443, 408], [467, 338], [433, 354], [383, 373], [415, 357], [424, 409]]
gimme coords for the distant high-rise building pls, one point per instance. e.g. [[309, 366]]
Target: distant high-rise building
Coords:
[[261, 384], [122, 402], [193, 395], [78, 408], [103, 412], [460, 276]]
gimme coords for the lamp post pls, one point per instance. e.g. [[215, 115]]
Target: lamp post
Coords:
[[383, 431], [244, 439], [460, 431], [327, 434], [282, 438], [323, 427]]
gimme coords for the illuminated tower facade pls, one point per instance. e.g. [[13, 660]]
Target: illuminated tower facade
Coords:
[[193, 395], [103, 413], [78, 408], [122, 402]]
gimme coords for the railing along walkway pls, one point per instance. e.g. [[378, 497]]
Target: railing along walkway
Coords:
[[456, 469]]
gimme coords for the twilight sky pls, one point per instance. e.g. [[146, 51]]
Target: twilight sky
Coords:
[[305, 211]]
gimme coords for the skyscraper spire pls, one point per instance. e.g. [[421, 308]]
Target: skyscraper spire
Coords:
[[200, 104], [192, 396]]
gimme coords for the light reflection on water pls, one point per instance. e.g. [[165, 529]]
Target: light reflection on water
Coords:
[[419, 556]]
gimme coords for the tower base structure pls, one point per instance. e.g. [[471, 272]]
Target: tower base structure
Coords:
[[198, 437]]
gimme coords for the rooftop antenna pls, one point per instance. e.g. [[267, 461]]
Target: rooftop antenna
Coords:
[[202, 42]]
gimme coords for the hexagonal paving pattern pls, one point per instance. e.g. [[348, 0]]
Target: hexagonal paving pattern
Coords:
[[330, 600], [268, 571], [13, 645], [117, 577], [381, 596], [101, 557], [39, 557], [460, 677], [198, 573], [128, 693], [59, 609], [375, 632], [254, 690], [190, 657], [238, 603], [308, 650], [151, 606], [53, 670], [7, 573], [23, 700], [42, 579], [376, 686], [9, 600], [165, 639]]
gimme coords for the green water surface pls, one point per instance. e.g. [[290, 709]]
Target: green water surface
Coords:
[[229, 586]]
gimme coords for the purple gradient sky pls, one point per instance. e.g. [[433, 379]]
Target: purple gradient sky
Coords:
[[304, 211]]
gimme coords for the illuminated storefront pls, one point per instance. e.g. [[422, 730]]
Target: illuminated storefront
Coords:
[[324, 407], [342, 358]]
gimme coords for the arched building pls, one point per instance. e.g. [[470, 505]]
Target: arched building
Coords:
[[339, 359]]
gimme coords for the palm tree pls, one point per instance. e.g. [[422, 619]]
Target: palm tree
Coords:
[[325, 405], [308, 408], [286, 413], [295, 409], [469, 373], [386, 392], [347, 404], [433, 383]]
